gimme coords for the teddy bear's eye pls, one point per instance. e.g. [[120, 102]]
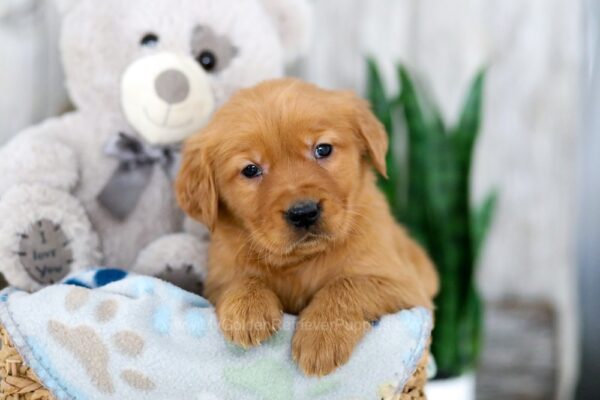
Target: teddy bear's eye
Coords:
[[208, 60], [150, 40], [213, 51]]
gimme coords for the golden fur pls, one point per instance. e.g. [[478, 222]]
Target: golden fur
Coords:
[[358, 266]]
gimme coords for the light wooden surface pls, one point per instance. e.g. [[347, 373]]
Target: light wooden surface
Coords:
[[519, 358]]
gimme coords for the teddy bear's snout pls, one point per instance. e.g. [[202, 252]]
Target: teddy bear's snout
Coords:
[[172, 86], [166, 97]]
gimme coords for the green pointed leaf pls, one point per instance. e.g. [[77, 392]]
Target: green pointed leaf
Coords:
[[481, 222], [471, 330], [463, 138], [470, 120], [430, 215], [383, 110], [418, 129], [377, 95], [437, 207], [467, 130]]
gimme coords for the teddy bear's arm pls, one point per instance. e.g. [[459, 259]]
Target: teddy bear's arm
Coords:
[[179, 258], [36, 158], [46, 232]]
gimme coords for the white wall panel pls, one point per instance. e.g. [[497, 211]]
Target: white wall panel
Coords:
[[31, 87]]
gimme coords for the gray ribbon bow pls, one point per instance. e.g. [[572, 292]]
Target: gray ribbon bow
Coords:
[[136, 164]]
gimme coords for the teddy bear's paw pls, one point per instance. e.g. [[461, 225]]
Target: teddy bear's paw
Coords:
[[44, 251], [184, 276], [178, 258], [45, 235]]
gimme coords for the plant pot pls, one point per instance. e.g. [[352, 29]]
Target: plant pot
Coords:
[[460, 388]]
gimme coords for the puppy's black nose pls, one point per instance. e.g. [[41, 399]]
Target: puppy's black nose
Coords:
[[303, 214]]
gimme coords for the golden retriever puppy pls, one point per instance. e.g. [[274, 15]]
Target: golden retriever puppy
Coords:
[[283, 178]]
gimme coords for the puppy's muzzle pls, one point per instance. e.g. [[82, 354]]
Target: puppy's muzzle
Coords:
[[304, 214]]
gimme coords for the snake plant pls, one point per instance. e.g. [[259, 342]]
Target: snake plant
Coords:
[[429, 191]]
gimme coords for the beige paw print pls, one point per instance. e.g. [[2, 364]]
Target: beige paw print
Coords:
[[90, 350]]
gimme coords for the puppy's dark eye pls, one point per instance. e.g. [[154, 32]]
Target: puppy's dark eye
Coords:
[[208, 60], [323, 151], [252, 171], [150, 40]]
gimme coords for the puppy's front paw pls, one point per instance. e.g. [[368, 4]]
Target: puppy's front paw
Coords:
[[250, 319], [323, 343]]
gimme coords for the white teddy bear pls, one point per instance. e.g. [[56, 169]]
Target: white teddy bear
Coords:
[[94, 187]]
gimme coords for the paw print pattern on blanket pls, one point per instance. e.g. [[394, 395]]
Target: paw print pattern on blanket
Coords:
[[90, 350], [106, 334]]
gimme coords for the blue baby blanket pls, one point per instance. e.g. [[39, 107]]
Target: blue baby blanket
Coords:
[[106, 334]]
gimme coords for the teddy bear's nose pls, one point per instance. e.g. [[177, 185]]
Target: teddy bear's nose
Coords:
[[172, 86]]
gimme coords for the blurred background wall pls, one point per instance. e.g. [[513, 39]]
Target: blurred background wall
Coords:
[[530, 138], [31, 87]]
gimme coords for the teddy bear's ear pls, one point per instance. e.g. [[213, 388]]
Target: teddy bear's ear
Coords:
[[64, 6], [293, 19]]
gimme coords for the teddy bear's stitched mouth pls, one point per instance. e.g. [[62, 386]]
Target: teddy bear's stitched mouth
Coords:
[[165, 124]]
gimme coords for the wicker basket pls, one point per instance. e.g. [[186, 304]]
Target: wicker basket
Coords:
[[19, 382], [415, 387]]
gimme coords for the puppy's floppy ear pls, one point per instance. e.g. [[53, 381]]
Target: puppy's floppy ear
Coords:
[[373, 133], [195, 185]]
